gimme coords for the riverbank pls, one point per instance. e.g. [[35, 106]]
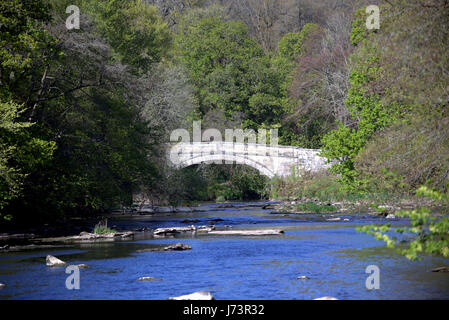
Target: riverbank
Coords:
[[81, 229], [72, 228]]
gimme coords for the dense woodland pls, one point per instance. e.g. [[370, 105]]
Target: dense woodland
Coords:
[[84, 114]]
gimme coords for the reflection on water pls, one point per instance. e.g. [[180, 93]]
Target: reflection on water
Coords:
[[331, 254]]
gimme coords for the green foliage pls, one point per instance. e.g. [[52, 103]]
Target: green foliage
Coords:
[[225, 191], [23, 43], [236, 182], [102, 228], [413, 41], [343, 146], [249, 182], [310, 206], [322, 186], [10, 177], [359, 31], [366, 109], [430, 233], [264, 109], [291, 45], [230, 71], [213, 183], [218, 55], [20, 153], [134, 29]]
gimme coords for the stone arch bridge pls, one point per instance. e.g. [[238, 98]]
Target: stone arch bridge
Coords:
[[269, 160]]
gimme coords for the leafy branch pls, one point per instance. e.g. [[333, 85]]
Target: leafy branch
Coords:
[[430, 232]]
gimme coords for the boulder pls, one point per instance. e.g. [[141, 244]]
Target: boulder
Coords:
[[54, 262], [144, 211], [174, 230], [168, 231], [333, 219], [6, 236], [441, 269], [183, 209], [302, 278], [2, 285], [267, 232], [206, 228], [163, 210], [173, 247], [127, 234], [90, 237], [190, 221], [82, 266], [326, 298], [178, 247], [148, 279], [390, 216], [200, 295]]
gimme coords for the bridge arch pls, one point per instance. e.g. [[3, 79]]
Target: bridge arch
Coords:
[[228, 157]]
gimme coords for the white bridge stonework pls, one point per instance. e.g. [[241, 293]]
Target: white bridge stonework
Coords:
[[269, 160]]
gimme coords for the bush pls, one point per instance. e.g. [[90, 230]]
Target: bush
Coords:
[[315, 208], [102, 228], [322, 185]]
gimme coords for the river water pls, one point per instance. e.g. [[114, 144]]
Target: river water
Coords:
[[332, 255]]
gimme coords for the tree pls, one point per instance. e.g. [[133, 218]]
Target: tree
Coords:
[[319, 84], [170, 100], [367, 111], [13, 149], [134, 29], [88, 148], [218, 55]]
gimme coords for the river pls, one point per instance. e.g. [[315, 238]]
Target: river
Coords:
[[332, 255]]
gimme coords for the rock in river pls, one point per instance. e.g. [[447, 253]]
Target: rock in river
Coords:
[[172, 247], [174, 230], [326, 298], [54, 262], [167, 231], [148, 279], [267, 232], [178, 247], [2, 285], [200, 295], [302, 278], [441, 269]]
